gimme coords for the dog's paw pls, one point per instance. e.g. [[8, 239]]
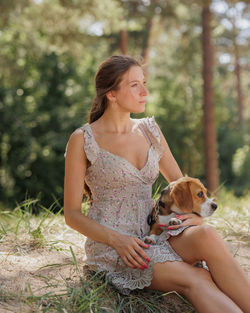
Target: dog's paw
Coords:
[[174, 221], [201, 264], [150, 240], [198, 264]]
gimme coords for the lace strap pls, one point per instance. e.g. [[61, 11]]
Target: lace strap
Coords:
[[145, 134], [152, 132], [90, 146]]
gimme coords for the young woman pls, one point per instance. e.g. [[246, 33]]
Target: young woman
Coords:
[[117, 159]]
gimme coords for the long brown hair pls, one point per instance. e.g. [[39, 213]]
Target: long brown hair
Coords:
[[107, 78]]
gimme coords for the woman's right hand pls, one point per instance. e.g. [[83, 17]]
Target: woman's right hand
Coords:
[[129, 249]]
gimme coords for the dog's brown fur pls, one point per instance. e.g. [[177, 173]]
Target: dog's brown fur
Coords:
[[185, 195]]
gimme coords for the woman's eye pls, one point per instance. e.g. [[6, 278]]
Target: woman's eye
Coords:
[[134, 85], [200, 194]]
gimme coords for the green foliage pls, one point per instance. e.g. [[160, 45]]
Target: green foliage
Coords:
[[48, 60], [234, 158], [241, 168]]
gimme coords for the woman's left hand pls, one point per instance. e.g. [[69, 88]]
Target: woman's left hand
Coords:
[[187, 220]]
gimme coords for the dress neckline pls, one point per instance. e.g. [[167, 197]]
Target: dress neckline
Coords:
[[120, 157]]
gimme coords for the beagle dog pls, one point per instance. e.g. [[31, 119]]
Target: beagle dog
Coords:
[[185, 195]]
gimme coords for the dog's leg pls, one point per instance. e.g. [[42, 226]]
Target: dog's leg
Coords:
[[154, 233], [151, 239]]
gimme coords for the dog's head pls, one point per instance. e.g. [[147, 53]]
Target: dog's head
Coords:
[[187, 195]]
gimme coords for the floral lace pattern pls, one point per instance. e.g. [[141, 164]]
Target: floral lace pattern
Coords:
[[122, 200]]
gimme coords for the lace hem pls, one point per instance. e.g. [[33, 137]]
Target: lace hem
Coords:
[[176, 232], [129, 279], [125, 281]]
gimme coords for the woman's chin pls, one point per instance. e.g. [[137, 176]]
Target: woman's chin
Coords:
[[139, 110]]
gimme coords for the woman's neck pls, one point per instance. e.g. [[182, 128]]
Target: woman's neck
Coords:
[[116, 122]]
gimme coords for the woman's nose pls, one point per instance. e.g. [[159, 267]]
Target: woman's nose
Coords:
[[144, 90]]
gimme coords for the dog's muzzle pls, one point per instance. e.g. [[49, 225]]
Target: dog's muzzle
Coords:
[[208, 208]]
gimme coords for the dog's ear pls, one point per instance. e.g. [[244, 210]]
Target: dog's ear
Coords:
[[182, 196]]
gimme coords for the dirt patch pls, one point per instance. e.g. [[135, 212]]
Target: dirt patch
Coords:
[[29, 268], [241, 252]]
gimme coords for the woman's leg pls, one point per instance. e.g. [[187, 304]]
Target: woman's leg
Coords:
[[204, 243], [194, 283]]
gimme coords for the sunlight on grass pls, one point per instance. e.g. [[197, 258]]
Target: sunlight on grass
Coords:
[[49, 255], [232, 218]]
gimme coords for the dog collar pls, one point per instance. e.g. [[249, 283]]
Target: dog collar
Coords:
[[150, 220]]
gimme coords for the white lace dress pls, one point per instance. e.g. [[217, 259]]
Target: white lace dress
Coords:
[[122, 200]]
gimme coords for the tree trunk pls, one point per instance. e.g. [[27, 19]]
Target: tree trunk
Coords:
[[148, 36], [237, 72], [211, 159], [124, 41]]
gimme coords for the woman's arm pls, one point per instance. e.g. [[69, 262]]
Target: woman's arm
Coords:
[[171, 171], [75, 169], [168, 166]]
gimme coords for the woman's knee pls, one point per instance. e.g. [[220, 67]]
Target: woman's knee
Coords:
[[199, 281], [178, 276], [195, 243], [207, 235], [207, 242]]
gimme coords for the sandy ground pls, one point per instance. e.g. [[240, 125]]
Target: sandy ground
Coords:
[[27, 269]]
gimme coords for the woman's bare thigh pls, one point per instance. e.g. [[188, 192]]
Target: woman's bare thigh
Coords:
[[194, 242], [175, 276]]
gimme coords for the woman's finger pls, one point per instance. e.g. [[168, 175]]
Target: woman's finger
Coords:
[[132, 259], [142, 243], [170, 226], [131, 251], [184, 217], [128, 262], [140, 256], [163, 225], [187, 222], [140, 262], [176, 226], [140, 251]]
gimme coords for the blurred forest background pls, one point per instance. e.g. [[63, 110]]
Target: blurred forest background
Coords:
[[51, 49]]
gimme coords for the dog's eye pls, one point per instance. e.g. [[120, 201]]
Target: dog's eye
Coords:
[[200, 194], [161, 204]]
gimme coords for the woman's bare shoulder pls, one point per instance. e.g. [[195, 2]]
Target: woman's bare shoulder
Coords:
[[77, 132], [76, 138], [74, 151]]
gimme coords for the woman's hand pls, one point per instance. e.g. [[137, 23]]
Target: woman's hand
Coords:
[[129, 249], [187, 220]]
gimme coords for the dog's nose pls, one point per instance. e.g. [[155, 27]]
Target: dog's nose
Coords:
[[214, 206]]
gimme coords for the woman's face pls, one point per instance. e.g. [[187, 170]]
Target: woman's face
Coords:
[[132, 92]]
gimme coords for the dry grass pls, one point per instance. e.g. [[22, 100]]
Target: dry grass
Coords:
[[42, 268]]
